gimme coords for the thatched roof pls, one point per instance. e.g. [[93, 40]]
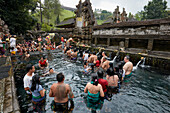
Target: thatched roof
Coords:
[[67, 23]]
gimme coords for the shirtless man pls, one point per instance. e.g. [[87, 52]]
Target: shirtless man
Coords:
[[69, 53], [128, 66], [105, 64], [74, 55], [60, 92], [93, 58], [103, 55]]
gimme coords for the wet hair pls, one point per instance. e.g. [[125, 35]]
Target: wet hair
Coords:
[[35, 81], [86, 51], [127, 57], [50, 69], [29, 67], [94, 53], [111, 64], [60, 77], [100, 74], [85, 63], [75, 50], [94, 79], [110, 71]]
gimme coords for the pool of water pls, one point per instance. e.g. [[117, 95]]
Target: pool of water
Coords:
[[147, 90]]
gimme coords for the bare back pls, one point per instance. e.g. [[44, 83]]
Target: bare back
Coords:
[[128, 67], [112, 80], [60, 92]]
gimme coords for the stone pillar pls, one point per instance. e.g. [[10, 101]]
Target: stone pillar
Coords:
[[95, 41], [126, 42], [150, 44], [108, 42]]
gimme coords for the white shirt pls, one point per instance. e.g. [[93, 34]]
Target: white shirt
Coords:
[[27, 81], [86, 56], [12, 42], [1, 45]]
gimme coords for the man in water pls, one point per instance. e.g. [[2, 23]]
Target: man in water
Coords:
[[74, 55], [43, 63], [105, 64], [103, 55], [51, 71], [28, 77], [60, 92], [93, 58], [127, 67]]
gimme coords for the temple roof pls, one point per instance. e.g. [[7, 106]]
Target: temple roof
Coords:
[[67, 23]]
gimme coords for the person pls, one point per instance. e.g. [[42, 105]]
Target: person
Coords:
[[12, 42], [102, 81], [74, 55], [105, 64], [43, 62], [62, 42], [85, 56], [98, 62], [94, 89], [112, 81], [38, 95], [103, 56], [128, 67], [1, 47], [60, 92], [28, 77], [51, 71], [86, 67]]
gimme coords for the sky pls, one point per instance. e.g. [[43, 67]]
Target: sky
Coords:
[[132, 6]]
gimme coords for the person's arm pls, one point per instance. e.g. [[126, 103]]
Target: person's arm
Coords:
[[71, 95], [107, 77], [101, 91], [51, 92], [125, 67], [123, 75], [86, 88], [42, 91]]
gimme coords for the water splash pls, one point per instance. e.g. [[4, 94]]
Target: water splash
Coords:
[[143, 64], [137, 65]]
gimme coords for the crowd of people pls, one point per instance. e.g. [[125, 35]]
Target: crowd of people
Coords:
[[98, 65]]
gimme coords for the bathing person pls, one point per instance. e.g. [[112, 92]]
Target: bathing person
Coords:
[[28, 77], [74, 55], [102, 81], [51, 71], [85, 55], [112, 79], [103, 56], [94, 90], [105, 64], [38, 95], [62, 42], [43, 62], [60, 92], [86, 67], [127, 67], [69, 52]]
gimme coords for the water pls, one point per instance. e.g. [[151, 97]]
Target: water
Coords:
[[147, 92]]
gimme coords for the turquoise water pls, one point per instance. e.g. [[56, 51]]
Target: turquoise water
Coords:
[[147, 91]]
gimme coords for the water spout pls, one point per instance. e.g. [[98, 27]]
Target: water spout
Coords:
[[142, 59]]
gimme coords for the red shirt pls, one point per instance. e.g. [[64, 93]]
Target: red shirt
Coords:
[[97, 63], [42, 63], [103, 83]]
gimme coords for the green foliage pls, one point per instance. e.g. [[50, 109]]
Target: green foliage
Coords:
[[16, 15], [46, 27], [155, 9], [130, 15]]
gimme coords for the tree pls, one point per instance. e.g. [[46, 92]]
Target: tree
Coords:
[[57, 20], [16, 15], [155, 9]]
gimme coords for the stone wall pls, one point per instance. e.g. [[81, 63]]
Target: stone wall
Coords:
[[149, 35]]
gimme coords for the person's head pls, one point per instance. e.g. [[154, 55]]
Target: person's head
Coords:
[[94, 53], [103, 53], [110, 72], [35, 81], [126, 59], [60, 77], [94, 79], [111, 64], [51, 70], [75, 50], [100, 74], [86, 51], [104, 59], [30, 68]]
